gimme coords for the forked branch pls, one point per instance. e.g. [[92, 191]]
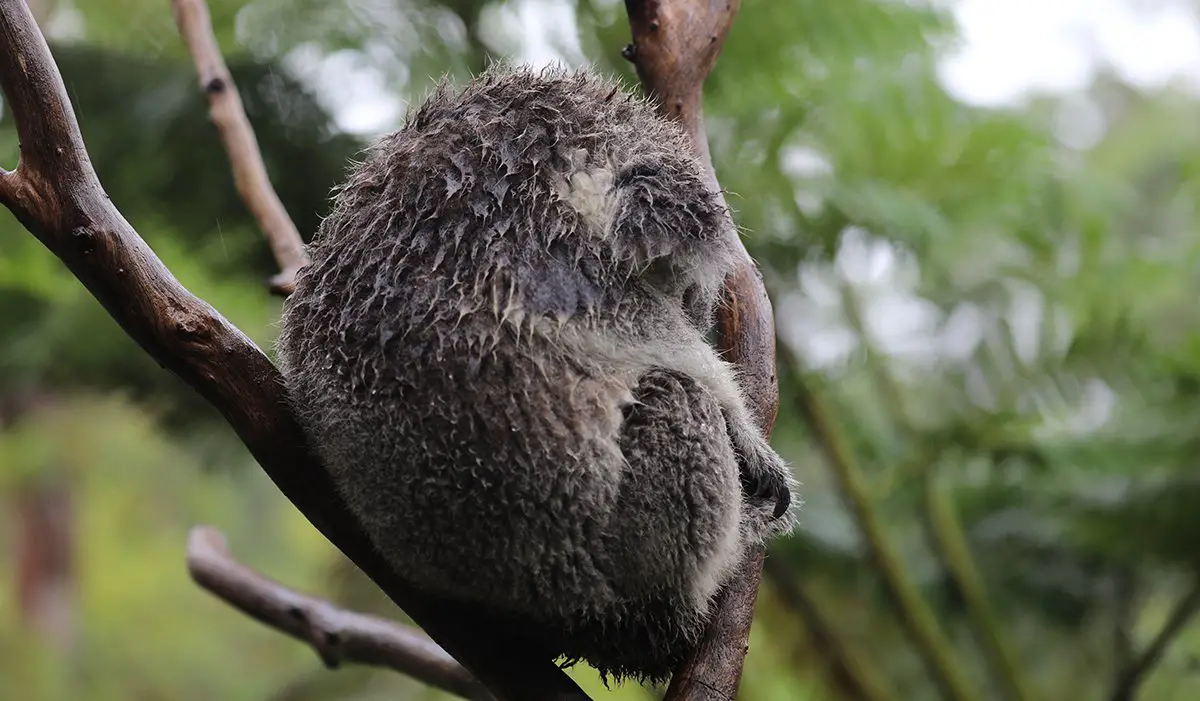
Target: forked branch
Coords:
[[336, 635], [55, 193], [249, 172], [675, 46]]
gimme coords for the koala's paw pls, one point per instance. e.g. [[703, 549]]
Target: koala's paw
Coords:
[[766, 478]]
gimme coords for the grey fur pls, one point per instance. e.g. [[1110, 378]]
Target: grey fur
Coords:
[[499, 352]]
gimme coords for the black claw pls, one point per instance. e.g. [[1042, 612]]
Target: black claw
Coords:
[[783, 502], [764, 486]]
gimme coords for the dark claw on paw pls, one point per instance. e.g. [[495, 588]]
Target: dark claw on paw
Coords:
[[764, 486]]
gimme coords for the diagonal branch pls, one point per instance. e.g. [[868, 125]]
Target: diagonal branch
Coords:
[[915, 615], [249, 173], [1132, 676], [951, 545], [334, 634], [54, 192], [675, 46], [949, 540]]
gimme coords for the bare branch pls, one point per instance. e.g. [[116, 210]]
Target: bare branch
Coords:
[[336, 635], [55, 193], [249, 173], [675, 46]]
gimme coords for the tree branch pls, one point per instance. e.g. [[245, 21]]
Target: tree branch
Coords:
[[54, 192], [336, 635], [1136, 672], [228, 115], [675, 46]]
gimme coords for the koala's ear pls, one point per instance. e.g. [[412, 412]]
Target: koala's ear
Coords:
[[673, 187], [639, 228], [653, 221]]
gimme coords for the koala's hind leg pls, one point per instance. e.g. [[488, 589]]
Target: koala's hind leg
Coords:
[[680, 502], [675, 533]]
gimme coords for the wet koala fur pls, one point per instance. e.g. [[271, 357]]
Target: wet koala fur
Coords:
[[499, 352]]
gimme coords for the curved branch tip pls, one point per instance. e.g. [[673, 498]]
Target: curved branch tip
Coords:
[[336, 635]]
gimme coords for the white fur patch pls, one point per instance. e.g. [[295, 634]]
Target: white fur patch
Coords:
[[590, 192]]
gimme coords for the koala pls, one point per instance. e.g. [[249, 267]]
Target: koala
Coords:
[[500, 353]]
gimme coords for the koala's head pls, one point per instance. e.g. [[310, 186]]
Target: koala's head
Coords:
[[531, 175]]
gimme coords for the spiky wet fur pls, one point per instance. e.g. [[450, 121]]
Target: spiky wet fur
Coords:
[[498, 351]]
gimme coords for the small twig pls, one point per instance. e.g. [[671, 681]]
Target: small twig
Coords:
[[55, 194], [1133, 675], [335, 634], [229, 116]]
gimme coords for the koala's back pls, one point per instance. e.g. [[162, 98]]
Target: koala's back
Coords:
[[429, 352], [464, 461]]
